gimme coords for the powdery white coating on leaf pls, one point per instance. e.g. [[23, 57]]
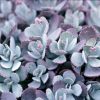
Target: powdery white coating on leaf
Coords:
[[76, 59], [37, 29]]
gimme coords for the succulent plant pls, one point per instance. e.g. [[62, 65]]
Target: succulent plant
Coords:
[[25, 10], [37, 49], [61, 93], [90, 54], [65, 44], [39, 76], [94, 14], [74, 18], [11, 84], [37, 29], [68, 90], [10, 56], [8, 27]]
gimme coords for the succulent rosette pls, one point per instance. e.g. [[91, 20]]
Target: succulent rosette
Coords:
[[66, 44], [39, 76], [10, 56], [64, 87]]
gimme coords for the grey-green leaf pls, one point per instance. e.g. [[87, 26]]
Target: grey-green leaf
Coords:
[[60, 59], [76, 59]]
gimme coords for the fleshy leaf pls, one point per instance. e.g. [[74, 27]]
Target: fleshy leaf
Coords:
[[77, 90], [45, 77], [57, 78], [50, 64], [15, 78], [12, 44], [69, 77], [17, 90], [53, 47], [41, 94], [22, 11], [60, 93], [16, 65], [7, 96], [87, 33], [96, 95], [91, 71], [53, 36], [34, 84], [84, 56], [28, 94], [60, 59], [49, 94], [91, 42], [72, 44], [70, 97], [6, 64], [76, 59], [30, 67], [6, 7], [22, 73], [37, 29], [94, 62], [4, 88]]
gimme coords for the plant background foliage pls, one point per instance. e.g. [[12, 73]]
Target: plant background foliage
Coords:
[[49, 49]]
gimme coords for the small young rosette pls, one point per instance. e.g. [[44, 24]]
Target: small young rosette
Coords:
[[64, 87], [37, 49], [90, 57], [40, 76], [11, 84], [65, 45], [10, 56]]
